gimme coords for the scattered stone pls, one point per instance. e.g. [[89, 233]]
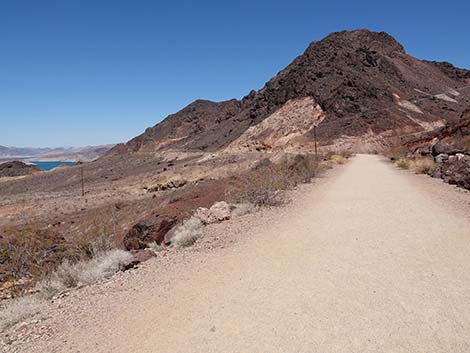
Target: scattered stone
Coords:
[[172, 184]]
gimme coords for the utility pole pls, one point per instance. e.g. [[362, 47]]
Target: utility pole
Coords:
[[82, 181], [314, 130], [315, 139]]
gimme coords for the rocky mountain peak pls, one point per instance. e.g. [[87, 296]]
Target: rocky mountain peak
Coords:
[[380, 42], [361, 83]]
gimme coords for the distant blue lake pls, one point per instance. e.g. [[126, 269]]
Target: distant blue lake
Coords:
[[51, 165]]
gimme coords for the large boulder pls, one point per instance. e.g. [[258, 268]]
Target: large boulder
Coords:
[[442, 147], [144, 233], [220, 211], [456, 171], [441, 158]]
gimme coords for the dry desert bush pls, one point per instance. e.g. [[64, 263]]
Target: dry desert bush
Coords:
[[15, 310], [403, 163], [187, 233], [67, 275], [418, 165], [423, 165], [29, 253], [338, 159], [70, 275], [264, 185]]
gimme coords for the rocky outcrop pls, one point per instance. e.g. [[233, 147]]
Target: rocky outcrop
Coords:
[[442, 147], [17, 168], [456, 171], [142, 234]]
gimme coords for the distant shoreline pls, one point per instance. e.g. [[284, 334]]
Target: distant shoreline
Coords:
[[44, 165]]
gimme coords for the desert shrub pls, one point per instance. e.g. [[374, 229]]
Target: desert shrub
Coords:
[[403, 163], [259, 190], [69, 274], [345, 154], [242, 209], [338, 159], [15, 310], [264, 185], [423, 165], [28, 252], [186, 234], [89, 247], [396, 153]]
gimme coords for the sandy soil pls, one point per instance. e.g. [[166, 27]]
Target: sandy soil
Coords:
[[370, 259]]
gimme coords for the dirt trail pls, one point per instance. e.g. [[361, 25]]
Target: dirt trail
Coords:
[[367, 261]]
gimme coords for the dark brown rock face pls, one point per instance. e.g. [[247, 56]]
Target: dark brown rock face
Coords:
[[17, 168], [144, 233], [442, 147], [456, 171], [451, 139], [364, 81]]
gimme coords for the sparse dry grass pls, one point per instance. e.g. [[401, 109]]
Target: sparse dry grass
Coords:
[[16, 310], [69, 275], [423, 165], [187, 233], [418, 165]]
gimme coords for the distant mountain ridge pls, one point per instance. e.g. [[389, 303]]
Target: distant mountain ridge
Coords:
[[65, 154], [361, 88]]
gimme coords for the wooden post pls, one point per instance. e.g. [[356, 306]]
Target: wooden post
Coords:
[[82, 181]]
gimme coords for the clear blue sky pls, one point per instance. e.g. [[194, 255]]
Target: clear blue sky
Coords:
[[80, 72]]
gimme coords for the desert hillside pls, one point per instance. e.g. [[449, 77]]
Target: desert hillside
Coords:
[[367, 90]]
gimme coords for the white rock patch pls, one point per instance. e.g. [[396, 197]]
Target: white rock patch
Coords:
[[453, 92], [445, 97], [409, 106]]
